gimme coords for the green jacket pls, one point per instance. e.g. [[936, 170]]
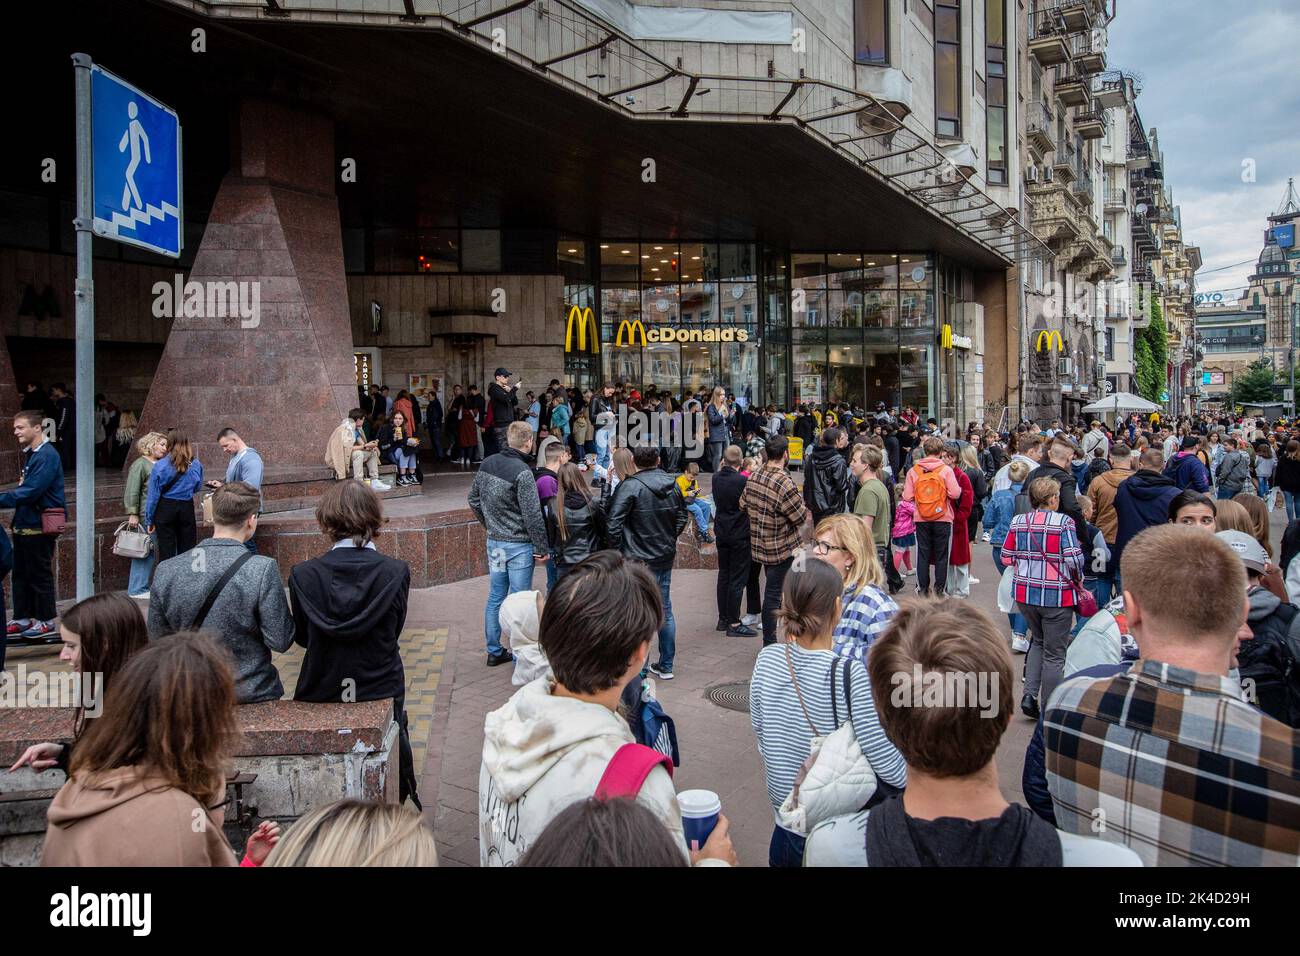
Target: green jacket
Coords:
[[137, 478]]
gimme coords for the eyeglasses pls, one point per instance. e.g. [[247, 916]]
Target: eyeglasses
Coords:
[[825, 547], [219, 806]]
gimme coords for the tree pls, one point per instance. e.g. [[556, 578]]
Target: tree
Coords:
[[1255, 384]]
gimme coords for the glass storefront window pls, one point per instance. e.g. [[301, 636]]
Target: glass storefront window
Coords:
[[740, 370], [880, 309], [845, 374], [809, 373], [660, 262], [663, 367], [776, 379], [844, 310], [699, 262], [881, 372], [619, 263], [571, 259], [699, 304], [737, 261], [616, 305], [622, 364], [699, 366], [660, 304]]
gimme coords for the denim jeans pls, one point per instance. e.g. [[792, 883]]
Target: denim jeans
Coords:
[[1290, 499], [1263, 487], [552, 573], [786, 848], [604, 457], [404, 458], [1017, 620], [701, 511], [667, 633], [510, 569], [142, 570]]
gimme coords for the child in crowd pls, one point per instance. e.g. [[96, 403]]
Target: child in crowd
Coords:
[[904, 538], [521, 615], [688, 484]]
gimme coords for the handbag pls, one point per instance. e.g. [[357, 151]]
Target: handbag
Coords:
[[132, 544], [836, 778], [54, 521]]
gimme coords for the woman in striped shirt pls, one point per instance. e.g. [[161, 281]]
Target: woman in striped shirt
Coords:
[[810, 608]]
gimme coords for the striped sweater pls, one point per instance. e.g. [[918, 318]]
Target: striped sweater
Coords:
[[782, 731]]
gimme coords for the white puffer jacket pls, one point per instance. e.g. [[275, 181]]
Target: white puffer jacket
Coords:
[[839, 781], [542, 753]]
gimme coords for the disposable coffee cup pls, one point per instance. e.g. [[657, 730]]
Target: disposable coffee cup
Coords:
[[700, 809]]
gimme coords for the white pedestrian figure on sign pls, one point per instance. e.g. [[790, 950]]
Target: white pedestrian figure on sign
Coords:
[[136, 137]]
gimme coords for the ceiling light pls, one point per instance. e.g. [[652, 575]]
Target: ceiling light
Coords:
[[573, 250], [658, 248], [695, 257], [627, 252], [871, 263], [645, 257], [907, 260], [604, 247], [664, 261], [654, 269]]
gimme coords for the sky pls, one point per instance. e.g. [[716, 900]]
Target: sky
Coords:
[[1220, 84]]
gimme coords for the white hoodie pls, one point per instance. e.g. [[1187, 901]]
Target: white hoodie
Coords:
[[542, 753]]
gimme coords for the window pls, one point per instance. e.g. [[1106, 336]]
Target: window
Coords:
[[947, 68], [1110, 345], [996, 93], [871, 32]]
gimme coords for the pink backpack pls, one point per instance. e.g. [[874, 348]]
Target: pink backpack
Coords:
[[627, 770]]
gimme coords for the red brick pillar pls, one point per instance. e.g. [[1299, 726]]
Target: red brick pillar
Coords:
[[284, 378]]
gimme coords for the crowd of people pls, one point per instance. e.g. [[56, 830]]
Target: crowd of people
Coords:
[[1136, 568]]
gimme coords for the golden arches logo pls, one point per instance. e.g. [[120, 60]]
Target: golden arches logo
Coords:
[[945, 340], [631, 328], [1053, 340], [586, 319]]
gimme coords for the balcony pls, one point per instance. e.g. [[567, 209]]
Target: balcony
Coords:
[[1065, 163], [1053, 219], [1072, 87], [1038, 131], [1075, 15], [1082, 192], [1108, 90], [1089, 53], [1048, 42], [1090, 124], [1117, 257], [1115, 198]]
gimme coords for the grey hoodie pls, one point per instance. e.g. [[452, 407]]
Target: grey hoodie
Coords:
[[1233, 471]]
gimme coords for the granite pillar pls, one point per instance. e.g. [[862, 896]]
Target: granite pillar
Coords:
[[9, 405], [281, 376]]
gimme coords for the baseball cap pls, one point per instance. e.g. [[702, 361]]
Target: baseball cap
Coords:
[[1190, 442], [502, 371], [1251, 552]]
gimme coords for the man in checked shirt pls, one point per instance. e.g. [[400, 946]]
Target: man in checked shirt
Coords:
[[777, 514], [1168, 757]]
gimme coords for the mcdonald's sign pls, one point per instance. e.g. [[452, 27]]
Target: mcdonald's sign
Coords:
[[631, 328], [949, 341], [945, 338], [1053, 340], [586, 320]]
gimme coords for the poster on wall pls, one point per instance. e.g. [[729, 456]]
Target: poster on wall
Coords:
[[419, 385], [810, 389]]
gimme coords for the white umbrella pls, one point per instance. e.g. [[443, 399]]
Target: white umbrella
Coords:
[[1122, 402]]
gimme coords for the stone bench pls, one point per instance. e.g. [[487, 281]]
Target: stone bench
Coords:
[[300, 756]]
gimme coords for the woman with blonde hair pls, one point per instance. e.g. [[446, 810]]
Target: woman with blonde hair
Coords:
[[718, 416], [169, 501], [152, 447], [844, 542], [356, 833]]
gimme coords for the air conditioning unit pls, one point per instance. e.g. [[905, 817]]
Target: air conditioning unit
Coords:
[[1065, 366], [1031, 174]]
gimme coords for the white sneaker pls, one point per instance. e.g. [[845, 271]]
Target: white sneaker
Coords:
[[751, 620], [378, 485], [1020, 643], [142, 596], [986, 536], [974, 580]]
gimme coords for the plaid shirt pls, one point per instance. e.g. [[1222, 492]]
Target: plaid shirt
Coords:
[[1175, 765], [865, 617], [776, 514], [1043, 551]]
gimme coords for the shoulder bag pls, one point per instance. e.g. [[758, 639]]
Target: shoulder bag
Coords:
[[132, 544], [217, 588], [836, 778]]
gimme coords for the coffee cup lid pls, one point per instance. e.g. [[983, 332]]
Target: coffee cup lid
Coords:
[[699, 803]]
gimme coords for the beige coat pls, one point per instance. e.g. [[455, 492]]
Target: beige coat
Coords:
[[338, 452], [124, 817]]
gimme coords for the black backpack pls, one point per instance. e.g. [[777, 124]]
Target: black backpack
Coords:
[[1267, 666]]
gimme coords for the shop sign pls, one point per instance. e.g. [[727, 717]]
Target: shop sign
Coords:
[[628, 332], [950, 341], [585, 320], [1052, 341]]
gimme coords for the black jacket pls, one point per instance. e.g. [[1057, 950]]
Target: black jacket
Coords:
[[805, 428], [646, 515], [388, 444], [826, 487], [1142, 500], [894, 453], [504, 401], [433, 415], [584, 527], [1287, 474], [1095, 468], [349, 606], [1069, 498], [731, 524]]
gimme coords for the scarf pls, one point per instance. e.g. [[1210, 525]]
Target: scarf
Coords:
[[1017, 838]]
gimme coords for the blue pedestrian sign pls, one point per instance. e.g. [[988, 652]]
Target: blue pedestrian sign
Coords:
[[136, 163]]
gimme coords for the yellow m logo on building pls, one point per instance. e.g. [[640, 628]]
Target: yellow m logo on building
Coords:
[[1053, 340], [631, 328], [945, 339], [586, 319]]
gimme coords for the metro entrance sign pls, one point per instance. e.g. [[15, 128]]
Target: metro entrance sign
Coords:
[[128, 190]]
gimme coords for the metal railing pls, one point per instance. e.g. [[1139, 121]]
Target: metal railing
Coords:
[[1116, 197]]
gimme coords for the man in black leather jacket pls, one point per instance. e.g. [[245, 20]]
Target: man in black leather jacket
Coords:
[[646, 516], [826, 485]]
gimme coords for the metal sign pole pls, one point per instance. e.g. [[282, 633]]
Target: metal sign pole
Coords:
[[85, 295]]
